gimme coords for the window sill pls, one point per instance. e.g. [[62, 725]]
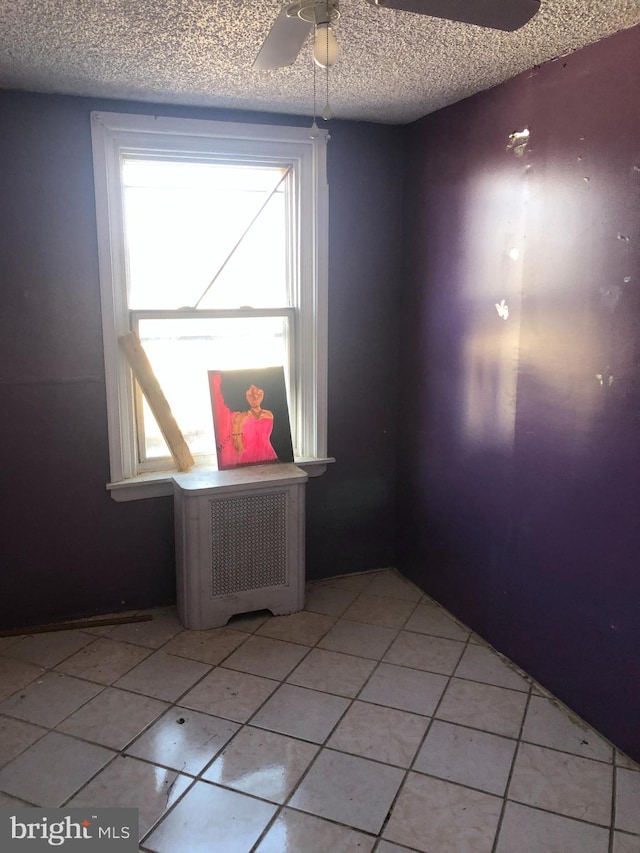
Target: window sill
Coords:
[[159, 484]]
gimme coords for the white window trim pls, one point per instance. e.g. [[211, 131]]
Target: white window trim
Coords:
[[114, 133]]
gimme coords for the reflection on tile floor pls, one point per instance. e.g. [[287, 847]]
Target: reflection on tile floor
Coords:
[[370, 722]]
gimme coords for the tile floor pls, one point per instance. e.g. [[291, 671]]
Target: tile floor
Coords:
[[371, 721]]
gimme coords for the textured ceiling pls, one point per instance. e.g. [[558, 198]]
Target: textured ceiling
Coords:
[[394, 67]]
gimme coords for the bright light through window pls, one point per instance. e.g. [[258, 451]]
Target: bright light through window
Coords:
[[190, 224], [203, 235], [213, 248], [182, 351]]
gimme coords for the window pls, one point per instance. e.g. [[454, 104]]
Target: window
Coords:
[[212, 242]]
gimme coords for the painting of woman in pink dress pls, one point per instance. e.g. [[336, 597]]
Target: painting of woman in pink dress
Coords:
[[247, 433]]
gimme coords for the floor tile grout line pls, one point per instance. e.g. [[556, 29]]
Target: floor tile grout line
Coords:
[[111, 684], [285, 804], [278, 814], [303, 776], [54, 729], [521, 741], [9, 718], [421, 744], [327, 585], [281, 681], [501, 657], [298, 642], [568, 752], [51, 668], [199, 779], [43, 671], [505, 795], [518, 740], [250, 672], [403, 847], [465, 725], [167, 811], [627, 833], [574, 718], [505, 661], [371, 572], [119, 752], [389, 663], [88, 781], [562, 815], [322, 745], [122, 749], [614, 797], [285, 680], [27, 803], [175, 706], [250, 719]]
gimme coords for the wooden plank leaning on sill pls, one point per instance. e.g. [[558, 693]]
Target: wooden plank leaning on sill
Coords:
[[146, 379]]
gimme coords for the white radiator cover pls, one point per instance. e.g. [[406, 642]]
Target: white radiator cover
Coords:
[[239, 543]]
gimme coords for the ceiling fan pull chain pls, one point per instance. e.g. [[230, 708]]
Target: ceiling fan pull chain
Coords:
[[326, 112], [314, 126]]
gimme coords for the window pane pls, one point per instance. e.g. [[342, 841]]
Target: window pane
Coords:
[[182, 222], [181, 351]]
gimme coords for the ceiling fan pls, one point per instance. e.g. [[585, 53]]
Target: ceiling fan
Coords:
[[297, 19]]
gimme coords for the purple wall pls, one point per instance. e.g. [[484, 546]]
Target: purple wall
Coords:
[[66, 547], [521, 477]]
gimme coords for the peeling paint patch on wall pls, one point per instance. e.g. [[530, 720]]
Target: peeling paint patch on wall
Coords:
[[518, 142]]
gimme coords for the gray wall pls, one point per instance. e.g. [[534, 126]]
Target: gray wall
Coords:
[[67, 548]]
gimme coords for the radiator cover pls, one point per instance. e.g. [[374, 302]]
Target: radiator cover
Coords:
[[239, 543], [237, 525]]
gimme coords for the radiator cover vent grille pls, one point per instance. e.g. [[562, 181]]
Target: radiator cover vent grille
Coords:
[[248, 543]]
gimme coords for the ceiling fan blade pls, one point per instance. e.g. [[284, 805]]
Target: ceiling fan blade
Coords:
[[283, 42], [506, 15]]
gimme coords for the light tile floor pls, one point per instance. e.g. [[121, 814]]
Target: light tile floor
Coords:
[[371, 721]]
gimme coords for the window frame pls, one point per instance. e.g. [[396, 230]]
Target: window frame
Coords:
[[116, 134]]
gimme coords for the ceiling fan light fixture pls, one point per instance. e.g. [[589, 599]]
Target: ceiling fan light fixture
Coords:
[[325, 48]]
